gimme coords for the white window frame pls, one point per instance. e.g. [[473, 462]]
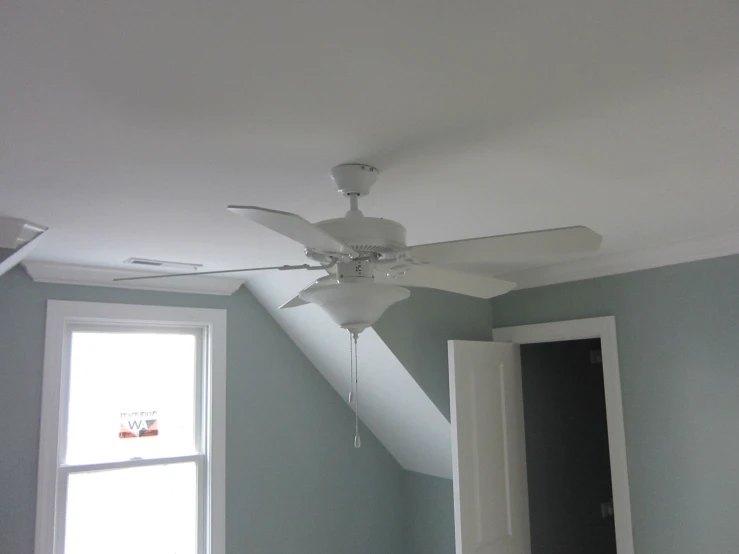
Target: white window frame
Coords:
[[61, 318]]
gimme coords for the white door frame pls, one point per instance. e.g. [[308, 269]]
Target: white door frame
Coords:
[[603, 328]]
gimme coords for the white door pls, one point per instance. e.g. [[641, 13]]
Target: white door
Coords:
[[488, 451]]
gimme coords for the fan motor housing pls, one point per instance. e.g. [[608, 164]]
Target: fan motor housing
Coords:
[[366, 234]]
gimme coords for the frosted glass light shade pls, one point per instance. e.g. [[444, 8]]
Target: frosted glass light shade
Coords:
[[354, 306]]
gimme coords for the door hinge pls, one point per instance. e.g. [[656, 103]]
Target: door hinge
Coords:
[[606, 509]]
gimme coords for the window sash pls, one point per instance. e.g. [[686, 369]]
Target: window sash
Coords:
[[64, 471], [137, 462], [202, 372], [64, 318]]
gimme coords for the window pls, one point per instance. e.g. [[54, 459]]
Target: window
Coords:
[[131, 457]]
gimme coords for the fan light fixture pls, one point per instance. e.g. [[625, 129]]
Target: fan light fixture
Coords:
[[354, 306]]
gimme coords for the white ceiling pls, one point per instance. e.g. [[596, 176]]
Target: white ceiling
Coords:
[[127, 127]]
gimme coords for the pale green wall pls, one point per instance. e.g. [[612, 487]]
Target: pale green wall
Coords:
[[678, 339], [429, 514], [293, 489], [295, 484]]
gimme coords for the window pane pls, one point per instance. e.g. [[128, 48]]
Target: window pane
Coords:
[[132, 395], [144, 510]]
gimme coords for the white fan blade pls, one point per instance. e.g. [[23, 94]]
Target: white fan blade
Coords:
[[509, 248], [296, 301], [294, 227], [453, 281], [220, 271]]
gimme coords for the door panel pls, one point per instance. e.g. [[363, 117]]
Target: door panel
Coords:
[[488, 452]]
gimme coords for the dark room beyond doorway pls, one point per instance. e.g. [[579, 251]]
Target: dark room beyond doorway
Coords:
[[567, 456]]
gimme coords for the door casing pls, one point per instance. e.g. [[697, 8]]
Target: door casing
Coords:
[[603, 328]]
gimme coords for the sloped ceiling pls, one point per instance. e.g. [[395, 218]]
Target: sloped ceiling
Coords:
[[391, 402]]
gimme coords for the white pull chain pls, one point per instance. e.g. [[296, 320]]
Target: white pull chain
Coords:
[[357, 439], [351, 368]]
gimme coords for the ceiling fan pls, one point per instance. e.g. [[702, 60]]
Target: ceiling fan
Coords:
[[369, 264]]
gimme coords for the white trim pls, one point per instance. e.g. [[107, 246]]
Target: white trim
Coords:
[[70, 274], [15, 232], [603, 328], [596, 266], [21, 253], [600, 266], [63, 315], [216, 447], [47, 493], [141, 462]]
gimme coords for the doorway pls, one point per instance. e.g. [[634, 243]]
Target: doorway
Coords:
[[567, 453], [602, 331]]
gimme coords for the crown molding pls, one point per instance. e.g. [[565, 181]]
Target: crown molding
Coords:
[[625, 262], [70, 274], [600, 266]]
